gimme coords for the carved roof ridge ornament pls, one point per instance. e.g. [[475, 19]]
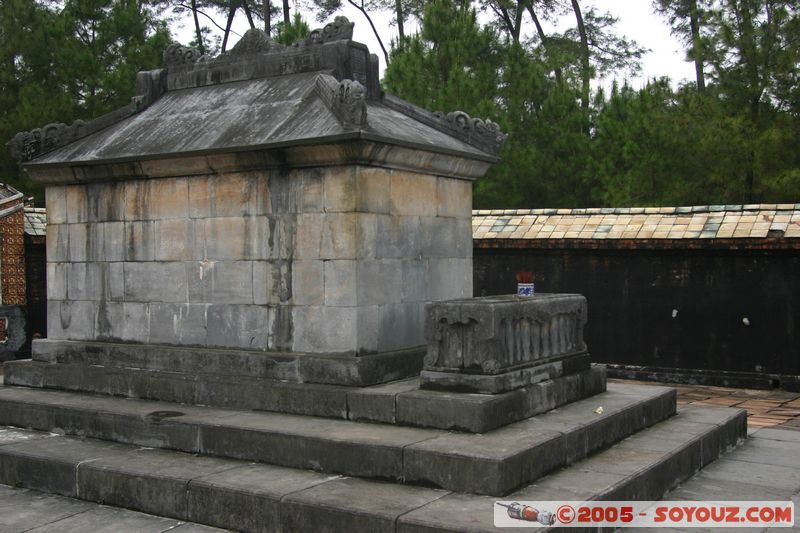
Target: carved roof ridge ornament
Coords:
[[27, 145], [346, 99], [341, 29], [256, 41], [482, 134], [485, 131], [177, 54]]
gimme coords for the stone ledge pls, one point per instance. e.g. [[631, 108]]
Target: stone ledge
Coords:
[[293, 367], [508, 381]]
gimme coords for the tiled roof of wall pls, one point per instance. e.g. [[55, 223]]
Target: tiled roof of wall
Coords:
[[699, 222], [35, 221]]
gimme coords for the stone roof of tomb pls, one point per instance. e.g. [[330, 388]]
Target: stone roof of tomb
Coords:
[[753, 221], [259, 95]]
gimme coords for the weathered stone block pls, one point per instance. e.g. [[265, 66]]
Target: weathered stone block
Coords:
[[367, 241], [308, 282], [449, 278], [379, 281], [401, 326], [399, 236], [125, 321], [115, 281], [338, 236], [239, 326], [453, 197], [413, 194], [308, 236], [374, 188], [85, 281], [324, 329], [103, 202], [72, 320], [340, 190], [225, 239], [415, 280], [168, 198], [76, 204], [369, 327], [178, 324], [174, 240], [57, 281], [136, 193], [233, 195], [56, 201], [272, 282], [140, 241], [504, 342], [155, 282], [113, 241], [57, 242], [77, 242], [231, 282], [340, 283], [438, 237]]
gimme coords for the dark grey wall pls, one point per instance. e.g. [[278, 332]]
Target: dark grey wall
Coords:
[[632, 294]]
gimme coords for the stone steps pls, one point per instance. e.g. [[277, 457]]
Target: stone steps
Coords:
[[31, 511], [400, 402], [492, 463], [257, 497]]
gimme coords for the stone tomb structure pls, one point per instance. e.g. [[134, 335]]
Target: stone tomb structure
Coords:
[[271, 200], [247, 266]]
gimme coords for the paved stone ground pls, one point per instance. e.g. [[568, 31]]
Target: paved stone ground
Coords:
[[765, 408]]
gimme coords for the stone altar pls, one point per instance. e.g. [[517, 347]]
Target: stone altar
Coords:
[[501, 343]]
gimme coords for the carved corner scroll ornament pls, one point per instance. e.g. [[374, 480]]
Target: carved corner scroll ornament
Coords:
[[28, 144], [484, 131], [346, 99]]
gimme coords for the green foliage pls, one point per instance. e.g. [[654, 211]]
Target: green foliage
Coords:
[[76, 62], [651, 146], [296, 31]]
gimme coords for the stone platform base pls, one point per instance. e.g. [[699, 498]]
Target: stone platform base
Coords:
[[399, 402], [237, 494], [356, 371]]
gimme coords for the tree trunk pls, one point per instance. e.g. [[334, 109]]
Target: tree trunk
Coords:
[[697, 46], [543, 37], [518, 20], [286, 19], [398, 6], [198, 33], [231, 13], [749, 56], [248, 14], [267, 17], [585, 64]]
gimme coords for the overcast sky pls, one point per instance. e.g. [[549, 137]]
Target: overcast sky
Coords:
[[636, 21]]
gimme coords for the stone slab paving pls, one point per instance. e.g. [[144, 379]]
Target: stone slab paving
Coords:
[[763, 468], [765, 408], [37, 512]]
